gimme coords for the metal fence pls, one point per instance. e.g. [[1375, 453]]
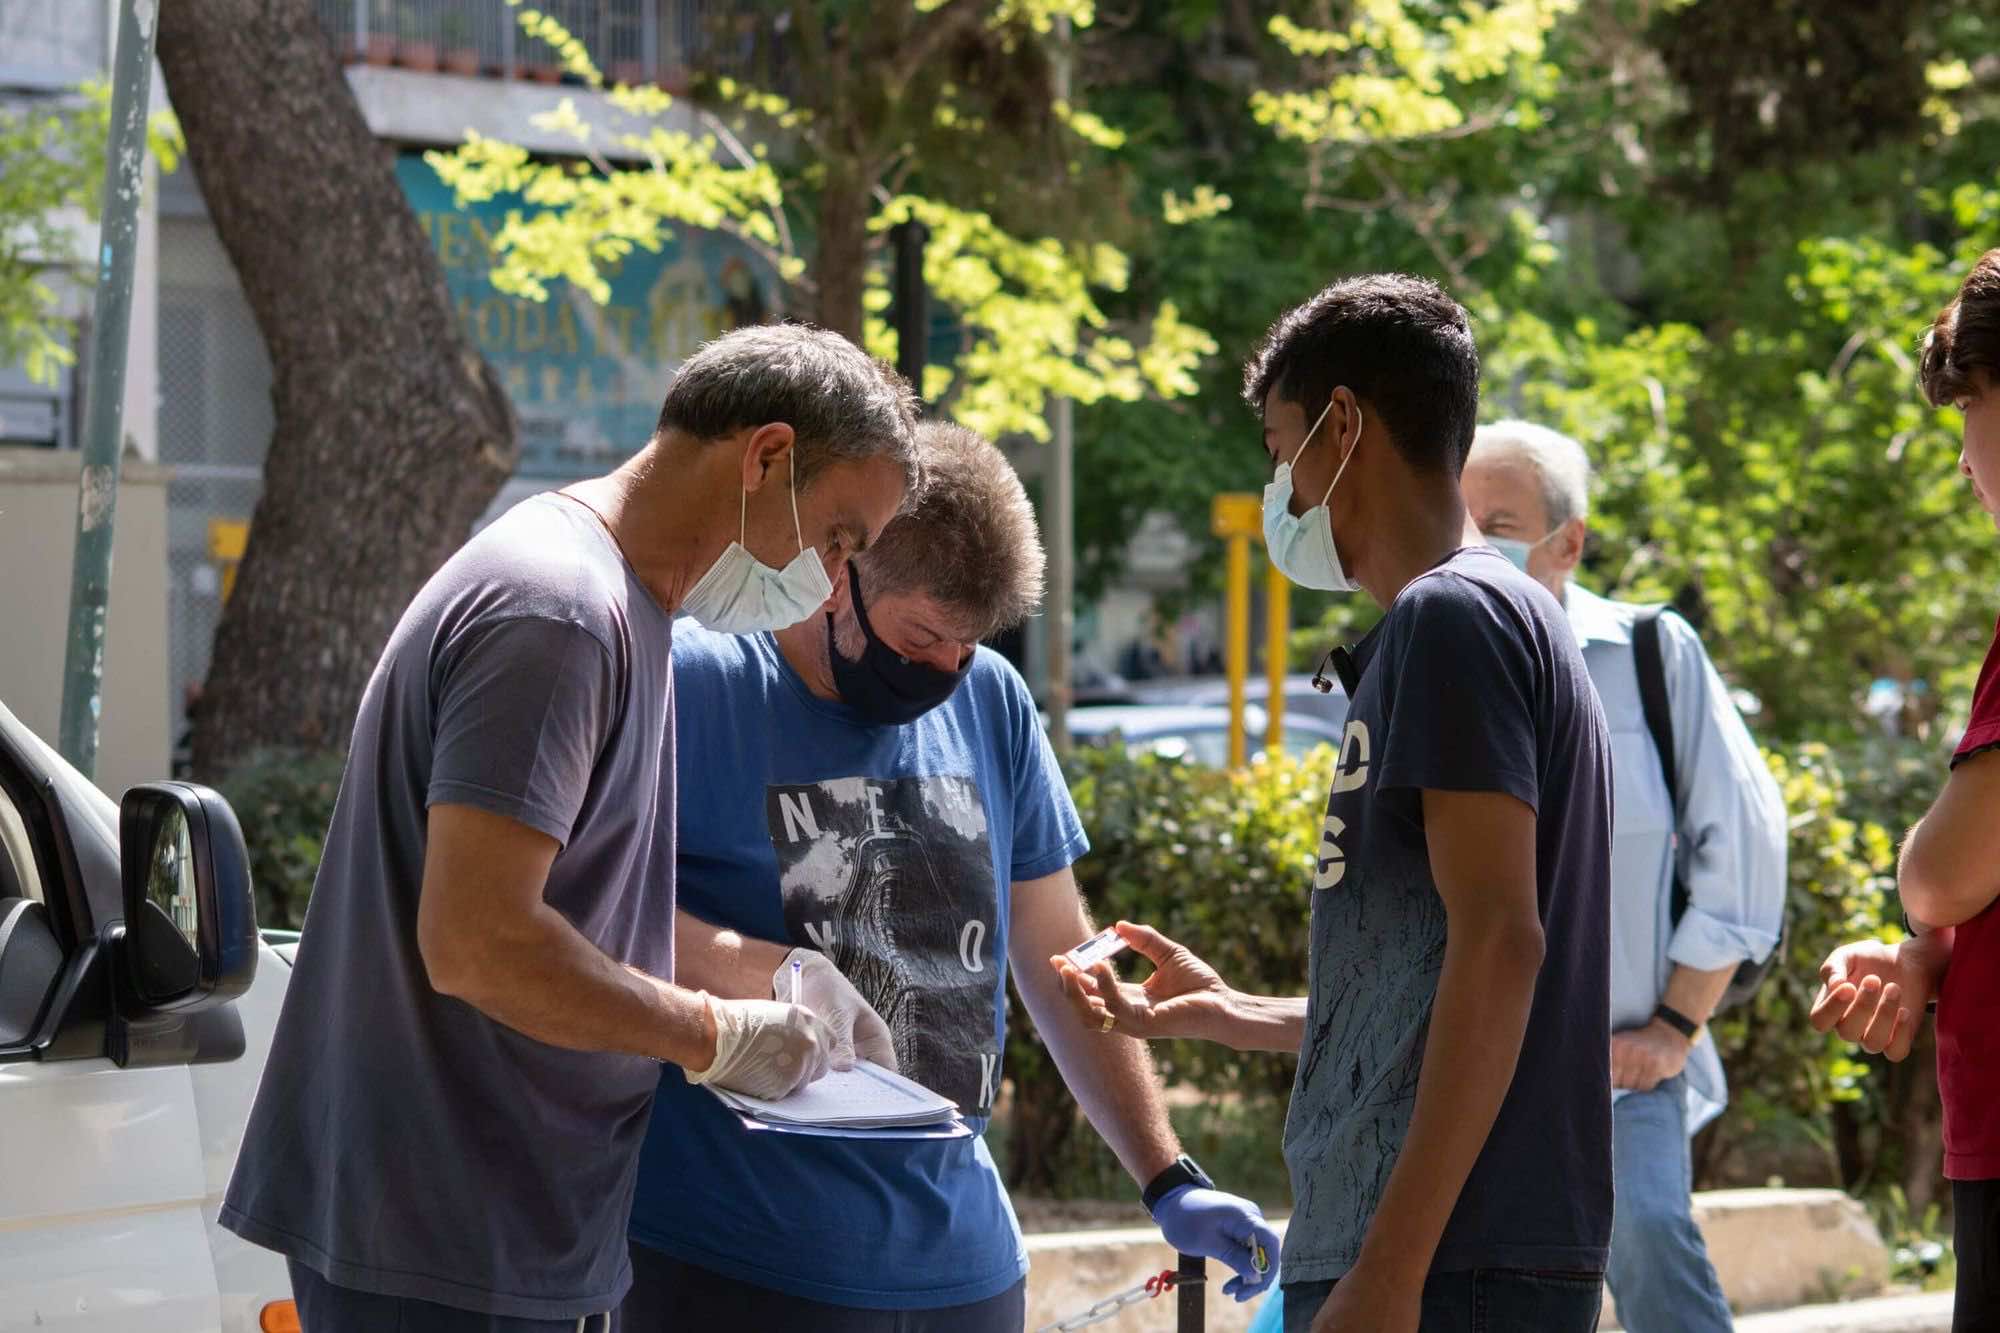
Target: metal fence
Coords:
[[215, 424], [633, 41]]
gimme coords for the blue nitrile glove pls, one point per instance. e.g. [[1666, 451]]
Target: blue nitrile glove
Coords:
[[1225, 1228]]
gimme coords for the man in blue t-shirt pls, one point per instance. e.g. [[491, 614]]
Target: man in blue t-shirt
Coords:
[[893, 816]]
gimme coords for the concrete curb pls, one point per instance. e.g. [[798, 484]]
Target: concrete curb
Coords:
[[1773, 1250], [1069, 1271], [1929, 1313]]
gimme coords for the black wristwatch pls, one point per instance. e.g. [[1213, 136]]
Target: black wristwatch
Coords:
[[1184, 1171], [1678, 1021]]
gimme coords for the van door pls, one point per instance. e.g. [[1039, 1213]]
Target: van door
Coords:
[[101, 1180]]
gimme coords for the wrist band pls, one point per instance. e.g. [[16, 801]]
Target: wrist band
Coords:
[[1678, 1021]]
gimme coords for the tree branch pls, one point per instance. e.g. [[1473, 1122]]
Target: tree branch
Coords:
[[944, 23], [1405, 208]]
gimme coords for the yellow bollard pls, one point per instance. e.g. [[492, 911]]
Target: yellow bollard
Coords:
[[227, 538], [1237, 656], [1238, 519], [1277, 650]]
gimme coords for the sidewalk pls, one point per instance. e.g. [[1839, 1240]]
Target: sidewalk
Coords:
[[1926, 1313], [1773, 1249]]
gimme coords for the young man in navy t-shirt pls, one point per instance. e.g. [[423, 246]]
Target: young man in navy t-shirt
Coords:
[[1949, 874], [890, 814], [1449, 1137]]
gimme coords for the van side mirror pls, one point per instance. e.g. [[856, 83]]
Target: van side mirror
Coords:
[[190, 920]]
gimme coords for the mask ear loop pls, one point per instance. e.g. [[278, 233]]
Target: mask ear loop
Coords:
[[861, 612], [1301, 453], [743, 510], [1352, 450], [792, 484]]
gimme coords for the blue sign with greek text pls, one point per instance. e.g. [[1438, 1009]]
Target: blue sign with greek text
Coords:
[[586, 379]]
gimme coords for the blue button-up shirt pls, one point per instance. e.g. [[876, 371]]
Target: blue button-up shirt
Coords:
[[1731, 834]]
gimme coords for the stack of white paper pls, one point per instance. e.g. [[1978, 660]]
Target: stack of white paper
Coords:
[[864, 1097]]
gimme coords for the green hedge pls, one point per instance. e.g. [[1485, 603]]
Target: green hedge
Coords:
[[1220, 861], [1223, 863], [284, 800]]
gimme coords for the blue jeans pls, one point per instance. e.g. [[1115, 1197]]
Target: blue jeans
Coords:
[[1485, 1300], [1660, 1275]]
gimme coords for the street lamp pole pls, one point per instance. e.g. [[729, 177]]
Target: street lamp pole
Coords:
[[1062, 508], [103, 434], [913, 301]]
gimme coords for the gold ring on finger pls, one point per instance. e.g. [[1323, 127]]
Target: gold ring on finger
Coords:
[[1108, 1023]]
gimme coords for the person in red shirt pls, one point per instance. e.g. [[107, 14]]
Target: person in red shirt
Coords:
[[1949, 873]]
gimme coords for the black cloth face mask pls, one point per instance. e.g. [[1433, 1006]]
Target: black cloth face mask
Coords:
[[885, 687]]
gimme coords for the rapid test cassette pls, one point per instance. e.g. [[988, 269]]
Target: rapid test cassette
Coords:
[[1104, 944]]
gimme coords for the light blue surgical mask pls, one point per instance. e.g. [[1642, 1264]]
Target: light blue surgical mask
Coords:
[[740, 594], [1517, 550], [1301, 545]]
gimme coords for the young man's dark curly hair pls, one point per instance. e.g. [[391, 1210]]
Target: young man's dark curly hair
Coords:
[[1965, 337]]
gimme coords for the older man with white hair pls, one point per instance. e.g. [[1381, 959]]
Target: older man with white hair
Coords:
[[1697, 869]]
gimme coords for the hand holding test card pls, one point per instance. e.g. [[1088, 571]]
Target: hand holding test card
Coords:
[[1105, 944], [1182, 997]]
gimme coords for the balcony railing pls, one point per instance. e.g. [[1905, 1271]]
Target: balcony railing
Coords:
[[659, 42]]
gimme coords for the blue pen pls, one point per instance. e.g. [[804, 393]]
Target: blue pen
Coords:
[[795, 981]]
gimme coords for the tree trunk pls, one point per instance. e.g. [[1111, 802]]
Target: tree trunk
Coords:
[[392, 435], [840, 266]]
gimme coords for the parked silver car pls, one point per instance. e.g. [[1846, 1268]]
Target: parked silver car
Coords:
[[1200, 733]]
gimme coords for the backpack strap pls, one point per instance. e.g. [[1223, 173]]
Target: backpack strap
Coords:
[[1648, 656]]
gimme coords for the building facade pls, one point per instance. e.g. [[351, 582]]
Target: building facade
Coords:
[[586, 379]]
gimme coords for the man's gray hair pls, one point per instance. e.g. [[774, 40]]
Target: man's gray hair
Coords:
[[968, 540], [841, 404], [1559, 461]]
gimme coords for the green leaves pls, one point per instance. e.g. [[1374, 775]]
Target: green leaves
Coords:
[[1386, 76], [1205, 203], [51, 179], [585, 215], [569, 48], [1784, 480], [1030, 324], [1027, 306]]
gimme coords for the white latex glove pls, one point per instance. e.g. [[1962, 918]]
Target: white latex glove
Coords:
[[858, 1031], [765, 1048]]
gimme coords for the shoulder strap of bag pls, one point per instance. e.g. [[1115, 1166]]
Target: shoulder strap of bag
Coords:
[[1651, 662]]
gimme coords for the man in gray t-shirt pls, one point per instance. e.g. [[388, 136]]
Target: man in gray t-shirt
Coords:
[[448, 1127]]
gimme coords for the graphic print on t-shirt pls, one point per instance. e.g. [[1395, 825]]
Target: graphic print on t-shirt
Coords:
[[1350, 774], [892, 879]]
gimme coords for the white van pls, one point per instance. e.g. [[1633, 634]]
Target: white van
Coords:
[[137, 1003]]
